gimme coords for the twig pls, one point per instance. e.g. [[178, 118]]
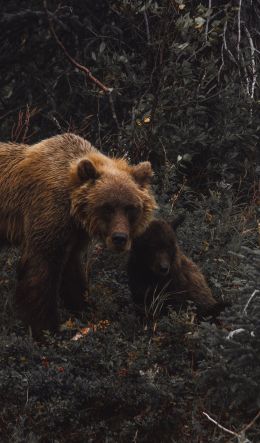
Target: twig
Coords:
[[207, 22], [72, 60], [251, 423], [239, 28], [246, 74], [243, 430], [249, 300], [112, 106], [147, 28], [21, 128], [135, 437], [254, 72], [235, 332], [220, 426], [224, 45]]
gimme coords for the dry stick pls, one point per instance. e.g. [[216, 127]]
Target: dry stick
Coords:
[[252, 422], [224, 45], [239, 27], [245, 428], [254, 71], [249, 300], [73, 61], [112, 106], [207, 23], [220, 426], [243, 63], [147, 28]]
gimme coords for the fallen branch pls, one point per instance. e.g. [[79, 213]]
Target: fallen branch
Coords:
[[72, 60]]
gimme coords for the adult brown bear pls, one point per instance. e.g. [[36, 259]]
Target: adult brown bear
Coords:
[[161, 275], [55, 196]]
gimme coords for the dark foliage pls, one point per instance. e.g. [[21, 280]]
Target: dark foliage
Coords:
[[127, 381], [184, 79]]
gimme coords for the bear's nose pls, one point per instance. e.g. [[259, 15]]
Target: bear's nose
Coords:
[[119, 239], [164, 268]]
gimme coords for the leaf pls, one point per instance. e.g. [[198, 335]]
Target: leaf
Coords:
[[199, 22], [102, 47], [183, 45], [147, 119]]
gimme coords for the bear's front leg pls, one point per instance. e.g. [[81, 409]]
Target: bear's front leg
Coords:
[[36, 292], [74, 283]]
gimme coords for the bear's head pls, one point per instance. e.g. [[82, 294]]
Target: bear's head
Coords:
[[111, 199], [157, 247]]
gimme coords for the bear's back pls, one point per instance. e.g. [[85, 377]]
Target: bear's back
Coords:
[[59, 150], [39, 171]]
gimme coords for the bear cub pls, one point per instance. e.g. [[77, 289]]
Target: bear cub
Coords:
[[160, 275]]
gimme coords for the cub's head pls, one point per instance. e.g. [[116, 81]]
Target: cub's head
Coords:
[[111, 199], [157, 247]]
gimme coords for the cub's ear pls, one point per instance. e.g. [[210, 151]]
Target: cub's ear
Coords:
[[177, 221], [86, 170], [142, 173]]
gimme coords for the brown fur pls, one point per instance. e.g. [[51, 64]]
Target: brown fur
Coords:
[[55, 196], [157, 265]]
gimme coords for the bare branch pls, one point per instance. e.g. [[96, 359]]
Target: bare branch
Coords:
[[243, 64], [253, 64], [239, 28], [220, 426], [249, 300], [207, 22], [252, 422], [112, 106], [147, 28], [72, 60]]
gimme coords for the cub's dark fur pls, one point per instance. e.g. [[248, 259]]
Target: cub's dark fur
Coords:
[[159, 270]]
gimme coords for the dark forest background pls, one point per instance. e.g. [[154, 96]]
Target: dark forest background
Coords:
[[178, 84], [184, 76]]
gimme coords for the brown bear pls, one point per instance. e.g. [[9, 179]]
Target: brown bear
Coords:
[[55, 196], [160, 275]]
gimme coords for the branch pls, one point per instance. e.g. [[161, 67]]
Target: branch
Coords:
[[241, 434], [207, 22], [220, 426], [252, 422], [239, 28], [249, 300], [253, 64], [224, 45], [72, 60], [147, 28]]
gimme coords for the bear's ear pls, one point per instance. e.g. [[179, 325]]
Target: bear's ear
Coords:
[[142, 173], [177, 221], [86, 170]]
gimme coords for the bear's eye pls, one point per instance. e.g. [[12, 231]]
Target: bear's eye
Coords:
[[132, 211], [107, 209]]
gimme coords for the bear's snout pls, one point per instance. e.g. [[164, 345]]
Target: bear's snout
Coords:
[[162, 264], [164, 267], [119, 240]]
